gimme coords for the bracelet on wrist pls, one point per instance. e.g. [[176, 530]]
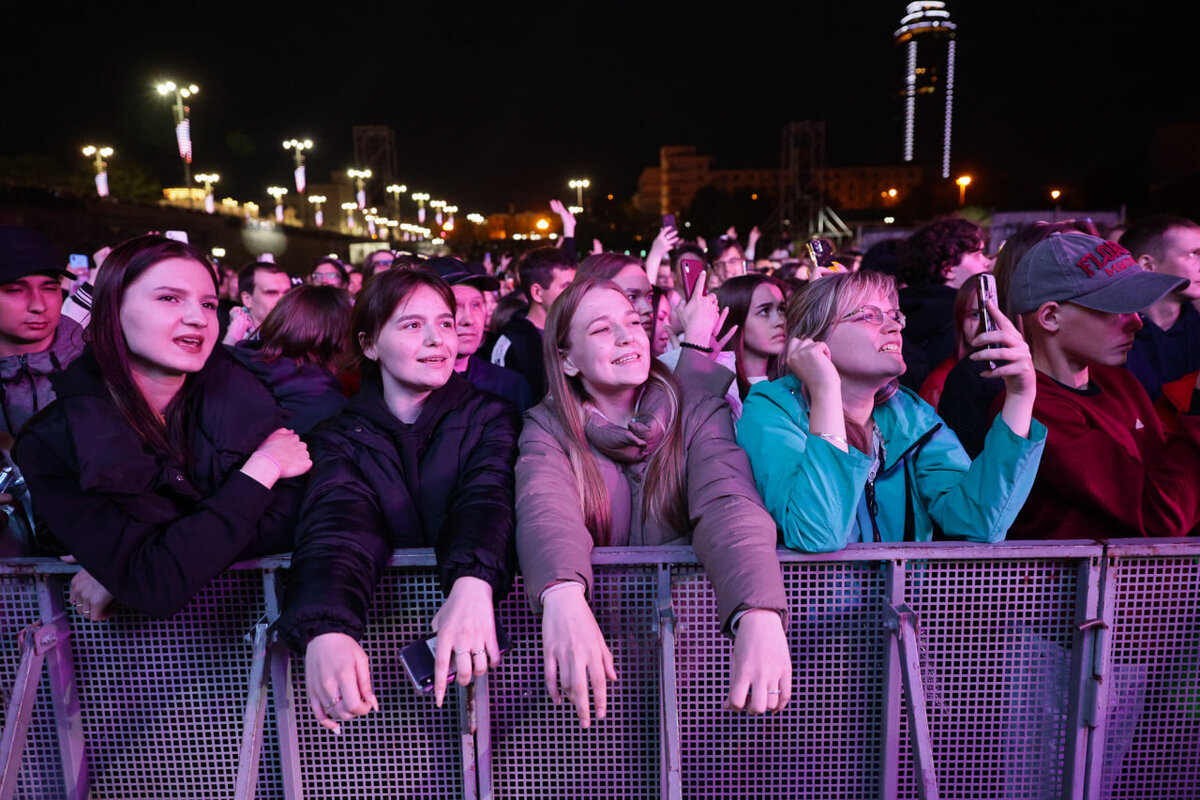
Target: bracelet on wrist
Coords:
[[829, 437], [699, 347], [270, 458]]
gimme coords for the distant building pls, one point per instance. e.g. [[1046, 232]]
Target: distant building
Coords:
[[926, 40], [670, 187]]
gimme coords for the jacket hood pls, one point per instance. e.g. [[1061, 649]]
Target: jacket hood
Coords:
[[68, 344], [369, 406]]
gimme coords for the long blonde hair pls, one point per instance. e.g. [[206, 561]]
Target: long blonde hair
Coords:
[[664, 493]]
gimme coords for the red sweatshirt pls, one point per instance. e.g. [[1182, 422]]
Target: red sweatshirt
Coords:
[[1109, 470]]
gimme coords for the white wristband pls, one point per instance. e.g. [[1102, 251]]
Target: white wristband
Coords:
[[558, 587]]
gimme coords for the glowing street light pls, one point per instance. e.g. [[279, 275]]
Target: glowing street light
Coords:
[[450, 212], [543, 224], [318, 216], [299, 147], [439, 205], [395, 190], [183, 124], [478, 219], [579, 184], [963, 182], [349, 209], [420, 197], [278, 193], [1055, 194], [208, 179], [360, 183], [100, 153]]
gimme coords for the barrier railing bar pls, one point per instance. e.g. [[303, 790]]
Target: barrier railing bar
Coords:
[[889, 761], [483, 738], [467, 725], [34, 643], [252, 721], [670, 738], [1100, 668], [902, 622], [1081, 698], [64, 691], [283, 693]]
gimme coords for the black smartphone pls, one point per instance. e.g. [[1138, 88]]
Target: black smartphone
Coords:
[[668, 220], [418, 659], [985, 290], [821, 253], [690, 267]]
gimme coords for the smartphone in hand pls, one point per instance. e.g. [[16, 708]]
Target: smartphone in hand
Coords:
[[821, 253], [985, 291], [691, 267], [418, 659]]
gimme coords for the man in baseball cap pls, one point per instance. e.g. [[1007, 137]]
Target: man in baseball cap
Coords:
[[35, 339], [470, 321], [1109, 469]]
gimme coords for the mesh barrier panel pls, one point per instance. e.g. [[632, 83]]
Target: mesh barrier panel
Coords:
[[411, 748], [1152, 736], [162, 702], [995, 655], [539, 749], [40, 776], [826, 742]]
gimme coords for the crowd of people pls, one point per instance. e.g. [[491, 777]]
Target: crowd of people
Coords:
[[163, 418]]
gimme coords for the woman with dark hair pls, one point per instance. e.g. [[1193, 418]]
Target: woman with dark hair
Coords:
[[755, 303], [647, 462], [301, 345], [419, 458], [330, 271], [842, 453], [161, 461]]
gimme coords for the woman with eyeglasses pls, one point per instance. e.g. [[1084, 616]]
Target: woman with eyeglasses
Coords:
[[841, 453], [330, 271]]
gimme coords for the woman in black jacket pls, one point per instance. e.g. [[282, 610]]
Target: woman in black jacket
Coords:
[[161, 461], [419, 458]]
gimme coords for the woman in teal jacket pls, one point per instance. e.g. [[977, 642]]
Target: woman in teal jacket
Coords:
[[841, 453]]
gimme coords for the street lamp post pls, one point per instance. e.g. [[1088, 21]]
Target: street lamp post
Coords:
[[183, 124], [100, 153], [278, 193], [579, 185], [439, 205], [360, 177], [208, 179], [349, 209], [299, 147], [318, 216], [420, 197], [395, 190], [963, 182]]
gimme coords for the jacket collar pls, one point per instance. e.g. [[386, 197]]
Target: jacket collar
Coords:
[[369, 405]]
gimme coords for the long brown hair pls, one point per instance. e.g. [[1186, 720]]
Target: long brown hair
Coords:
[[813, 311], [309, 324], [737, 294], [664, 493], [125, 264]]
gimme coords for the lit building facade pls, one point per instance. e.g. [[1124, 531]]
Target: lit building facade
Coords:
[[926, 40]]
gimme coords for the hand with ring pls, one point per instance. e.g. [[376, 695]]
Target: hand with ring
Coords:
[[90, 598], [466, 630]]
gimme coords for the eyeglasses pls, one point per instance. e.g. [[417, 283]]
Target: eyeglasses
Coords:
[[876, 315], [731, 263], [325, 277]]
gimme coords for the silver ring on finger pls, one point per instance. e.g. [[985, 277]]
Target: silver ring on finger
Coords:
[[772, 691], [460, 652], [478, 653]]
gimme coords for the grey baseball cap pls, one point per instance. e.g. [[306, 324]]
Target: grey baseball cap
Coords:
[[1087, 271]]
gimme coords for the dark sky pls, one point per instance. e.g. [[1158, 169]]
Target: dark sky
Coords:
[[504, 103]]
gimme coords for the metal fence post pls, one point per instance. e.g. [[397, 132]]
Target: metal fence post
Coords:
[[64, 690], [889, 761], [1082, 708], [252, 720], [280, 661], [1100, 666], [670, 746]]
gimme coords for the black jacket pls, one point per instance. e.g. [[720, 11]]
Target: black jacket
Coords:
[[378, 484], [307, 393], [929, 335], [154, 531]]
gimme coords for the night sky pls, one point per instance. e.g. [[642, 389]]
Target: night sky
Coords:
[[504, 105]]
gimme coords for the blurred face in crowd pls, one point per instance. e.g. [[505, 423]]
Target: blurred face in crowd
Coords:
[[763, 332], [379, 261], [327, 274], [30, 308], [636, 286], [169, 319], [1181, 258], [662, 326], [268, 288], [607, 346], [865, 343], [729, 264], [417, 346], [471, 320], [489, 307], [229, 283], [560, 279], [971, 263]]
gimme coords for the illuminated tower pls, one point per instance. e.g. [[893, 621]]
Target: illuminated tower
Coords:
[[926, 36]]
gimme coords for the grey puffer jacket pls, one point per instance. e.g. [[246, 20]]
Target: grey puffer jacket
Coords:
[[25, 380], [732, 533]]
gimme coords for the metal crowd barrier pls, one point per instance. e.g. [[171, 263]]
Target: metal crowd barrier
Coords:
[[1017, 670]]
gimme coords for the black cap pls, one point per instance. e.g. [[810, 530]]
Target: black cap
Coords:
[[455, 272], [24, 252]]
